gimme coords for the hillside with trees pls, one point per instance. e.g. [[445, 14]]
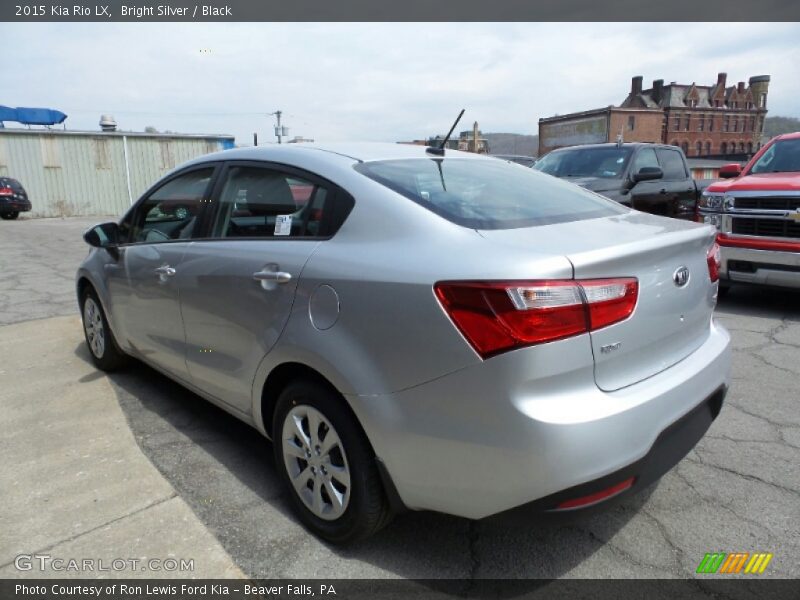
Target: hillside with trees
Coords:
[[776, 125]]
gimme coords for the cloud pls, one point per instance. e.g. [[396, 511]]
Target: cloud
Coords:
[[372, 81]]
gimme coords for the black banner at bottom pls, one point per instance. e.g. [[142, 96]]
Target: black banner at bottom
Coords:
[[754, 588]]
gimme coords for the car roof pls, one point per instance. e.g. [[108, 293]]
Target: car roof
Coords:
[[614, 145], [357, 151], [789, 136]]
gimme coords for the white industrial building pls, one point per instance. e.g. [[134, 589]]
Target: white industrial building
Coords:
[[71, 173]]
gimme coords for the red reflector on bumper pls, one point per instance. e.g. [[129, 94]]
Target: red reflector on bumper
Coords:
[[597, 496]]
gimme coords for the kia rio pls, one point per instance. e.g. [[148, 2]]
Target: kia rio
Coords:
[[414, 330]]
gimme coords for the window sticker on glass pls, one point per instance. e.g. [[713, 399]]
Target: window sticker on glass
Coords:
[[283, 225]]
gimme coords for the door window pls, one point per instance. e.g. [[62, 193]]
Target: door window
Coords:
[[646, 157], [172, 211], [671, 163], [257, 202]]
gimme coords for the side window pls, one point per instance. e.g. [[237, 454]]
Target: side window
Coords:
[[263, 203], [172, 211], [672, 164], [646, 157]]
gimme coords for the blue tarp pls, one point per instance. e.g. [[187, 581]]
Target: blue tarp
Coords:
[[32, 116]]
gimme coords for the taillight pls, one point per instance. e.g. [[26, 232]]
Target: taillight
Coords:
[[714, 262], [6, 191], [497, 316]]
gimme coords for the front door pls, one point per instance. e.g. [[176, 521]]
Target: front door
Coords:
[[143, 284]]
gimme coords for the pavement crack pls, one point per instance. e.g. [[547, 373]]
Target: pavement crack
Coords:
[[97, 527]]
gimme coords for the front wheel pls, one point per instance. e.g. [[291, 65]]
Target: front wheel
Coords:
[[9, 216], [327, 464], [106, 355]]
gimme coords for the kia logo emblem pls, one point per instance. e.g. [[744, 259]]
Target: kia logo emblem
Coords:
[[681, 276]]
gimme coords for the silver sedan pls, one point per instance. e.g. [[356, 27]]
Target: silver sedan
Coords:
[[415, 330]]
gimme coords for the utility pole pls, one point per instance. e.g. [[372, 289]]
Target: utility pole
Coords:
[[280, 130]]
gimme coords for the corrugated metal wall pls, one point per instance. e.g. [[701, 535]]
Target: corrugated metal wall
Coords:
[[84, 174]]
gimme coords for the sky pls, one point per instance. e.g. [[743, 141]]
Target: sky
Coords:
[[372, 81]]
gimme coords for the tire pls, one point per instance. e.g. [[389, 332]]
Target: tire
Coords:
[[343, 513], [9, 216], [100, 340]]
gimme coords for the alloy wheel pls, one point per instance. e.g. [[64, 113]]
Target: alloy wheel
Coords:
[[93, 325], [316, 462]]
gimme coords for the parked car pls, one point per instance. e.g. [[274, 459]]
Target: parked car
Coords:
[[525, 161], [450, 333], [653, 178], [757, 214], [13, 199]]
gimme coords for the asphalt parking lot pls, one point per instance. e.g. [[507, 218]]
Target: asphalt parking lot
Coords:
[[738, 491]]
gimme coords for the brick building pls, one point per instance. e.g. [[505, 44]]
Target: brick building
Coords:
[[704, 120]]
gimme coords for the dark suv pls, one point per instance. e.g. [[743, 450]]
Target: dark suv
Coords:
[[13, 199]]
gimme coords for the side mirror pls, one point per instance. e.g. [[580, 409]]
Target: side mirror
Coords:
[[648, 174], [105, 235], [729, 171]]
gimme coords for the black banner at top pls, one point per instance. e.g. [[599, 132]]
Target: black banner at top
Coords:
[[400, 10]]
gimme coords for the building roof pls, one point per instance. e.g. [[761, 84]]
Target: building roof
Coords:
[[100, 133]]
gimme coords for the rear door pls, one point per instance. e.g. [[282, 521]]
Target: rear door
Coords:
[[679, 189], [238, 284], [648, 196], [143, 282]]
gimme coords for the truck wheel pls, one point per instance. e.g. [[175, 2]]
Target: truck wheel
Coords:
[[9, 216], [327, 464]]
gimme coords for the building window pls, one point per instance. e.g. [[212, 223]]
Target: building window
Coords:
[[675, 143], [631, 123], [699, 148], [762, 100], [102, 159], [701, 121], [677, 122], [687, 122], [735, 126], [726, 121], [749, 147], [716, 103], [708, 148], [167, 156], [741, 147], [51, 152], [685, 148], [723, 149], [711, 123], [752, 123]]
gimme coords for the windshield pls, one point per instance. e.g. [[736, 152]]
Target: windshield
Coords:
[[488, 194], [781, 157], [607, 162]]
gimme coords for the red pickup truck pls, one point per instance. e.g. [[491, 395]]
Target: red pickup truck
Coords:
[[757, 213]]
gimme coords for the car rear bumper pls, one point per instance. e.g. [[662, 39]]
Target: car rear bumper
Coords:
[[486, 439], [763, 267], [14, 205]]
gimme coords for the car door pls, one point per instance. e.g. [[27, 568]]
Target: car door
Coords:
[[647, 196], [238, 285], [142, 283], [679, 190]]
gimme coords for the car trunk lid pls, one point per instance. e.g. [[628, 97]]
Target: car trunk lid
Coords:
[[670, 321]]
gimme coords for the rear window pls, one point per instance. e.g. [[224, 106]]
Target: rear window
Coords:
[[488, 194]]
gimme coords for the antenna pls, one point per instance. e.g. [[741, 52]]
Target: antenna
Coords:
[[440, 150]]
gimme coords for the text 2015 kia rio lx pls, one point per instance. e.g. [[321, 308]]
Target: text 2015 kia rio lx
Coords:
[[453, 333]]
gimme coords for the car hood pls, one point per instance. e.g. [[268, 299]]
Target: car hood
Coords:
[[759, 181], [596, 184]]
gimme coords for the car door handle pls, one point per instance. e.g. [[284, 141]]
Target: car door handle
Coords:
[[165, 271], [279, 276]]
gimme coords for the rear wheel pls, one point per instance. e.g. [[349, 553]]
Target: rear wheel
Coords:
[[9, 216], [103, 348], [327, 464]]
